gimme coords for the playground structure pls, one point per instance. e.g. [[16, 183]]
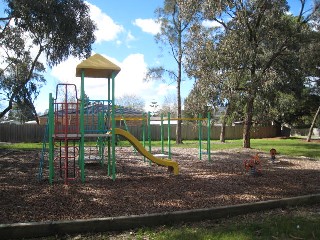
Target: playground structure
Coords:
[[72, 121], [145, 120]]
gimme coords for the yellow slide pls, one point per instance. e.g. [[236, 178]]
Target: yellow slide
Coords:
[[135, 142]]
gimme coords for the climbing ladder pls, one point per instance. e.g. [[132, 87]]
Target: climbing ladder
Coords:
[[66, 134]]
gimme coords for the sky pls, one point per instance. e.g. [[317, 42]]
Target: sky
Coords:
[[125, 35]]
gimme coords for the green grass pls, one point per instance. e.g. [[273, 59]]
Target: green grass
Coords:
[[279, 227], [276, 224], [21, 146], [284, 146], [287, 146]]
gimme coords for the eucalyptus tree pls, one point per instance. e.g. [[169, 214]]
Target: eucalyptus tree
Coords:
[[169, 105], [175, 17], [54, 29], [257, 43], [131, 101]]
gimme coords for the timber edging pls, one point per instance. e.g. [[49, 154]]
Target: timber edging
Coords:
[[122, 223]]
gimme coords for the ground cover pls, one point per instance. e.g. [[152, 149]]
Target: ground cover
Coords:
[[141, 187], [290, 223]]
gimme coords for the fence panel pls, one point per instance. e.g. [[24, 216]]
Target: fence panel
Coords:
[[35, 133], [305, 132], [21, 133]]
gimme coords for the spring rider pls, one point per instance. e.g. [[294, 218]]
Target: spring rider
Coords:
[[273, 153], [253, 165]]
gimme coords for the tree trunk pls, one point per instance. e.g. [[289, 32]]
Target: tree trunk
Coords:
[[179, 78], [8, 108], [223, 132], [312, 125], [178, 127], [248, 123], [223, 125]]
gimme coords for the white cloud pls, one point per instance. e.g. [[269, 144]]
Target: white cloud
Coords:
[[288, 13], [107, 29], [148, 25], [210, 24], [164, 89], [128, 81], [130, 37]]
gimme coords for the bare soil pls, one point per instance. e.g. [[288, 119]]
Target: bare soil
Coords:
[[141, 187]]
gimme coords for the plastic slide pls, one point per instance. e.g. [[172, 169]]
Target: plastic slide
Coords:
[[135, 142]]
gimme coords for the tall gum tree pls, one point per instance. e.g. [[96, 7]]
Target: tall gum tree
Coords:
[[57, 29], [258, 36], [175, 17]]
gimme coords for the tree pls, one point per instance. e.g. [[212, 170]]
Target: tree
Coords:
[[154, 105], [254, 47], [56, 29], [212, 86], [131, 101], [169, 105], [312, 125], [14, 87], [175, 18]]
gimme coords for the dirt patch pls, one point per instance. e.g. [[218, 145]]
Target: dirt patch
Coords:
[[141, 187]]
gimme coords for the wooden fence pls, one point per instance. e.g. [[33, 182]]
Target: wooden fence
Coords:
[[305, 132], [35, 133]]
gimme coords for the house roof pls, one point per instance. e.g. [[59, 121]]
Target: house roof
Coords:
[[98, 108], [97, 66]]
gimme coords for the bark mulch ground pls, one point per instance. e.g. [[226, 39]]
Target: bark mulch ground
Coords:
[[141, 187]]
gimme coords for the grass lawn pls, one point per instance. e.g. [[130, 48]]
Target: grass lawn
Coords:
[[272, 227], [284, 146], [302, 223]]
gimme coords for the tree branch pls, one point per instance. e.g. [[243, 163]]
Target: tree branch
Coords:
[[5, 26], [20, 86]]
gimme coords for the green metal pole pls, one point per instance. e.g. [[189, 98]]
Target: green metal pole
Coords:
[[144, 133], [169, 137], [81, 160], [100, 140], [200, 136], [113, 127], [208, 141], [50, 135], [162, 132], [109, 146], [149, 131]]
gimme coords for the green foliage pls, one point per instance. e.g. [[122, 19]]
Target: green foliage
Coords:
[[175, 18], [252, 58], [61, 28], [55, 29]]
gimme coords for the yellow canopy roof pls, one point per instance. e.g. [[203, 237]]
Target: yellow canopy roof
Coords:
[[97, 66]]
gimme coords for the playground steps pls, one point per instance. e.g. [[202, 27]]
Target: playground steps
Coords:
[[66, 160]]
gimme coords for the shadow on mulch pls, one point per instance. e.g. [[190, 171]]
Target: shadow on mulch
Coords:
[[141, 187]]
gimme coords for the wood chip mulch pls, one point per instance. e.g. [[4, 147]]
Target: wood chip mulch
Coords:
[[142, 188]]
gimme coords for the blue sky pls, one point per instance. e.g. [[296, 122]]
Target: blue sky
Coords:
[[125, 35]]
